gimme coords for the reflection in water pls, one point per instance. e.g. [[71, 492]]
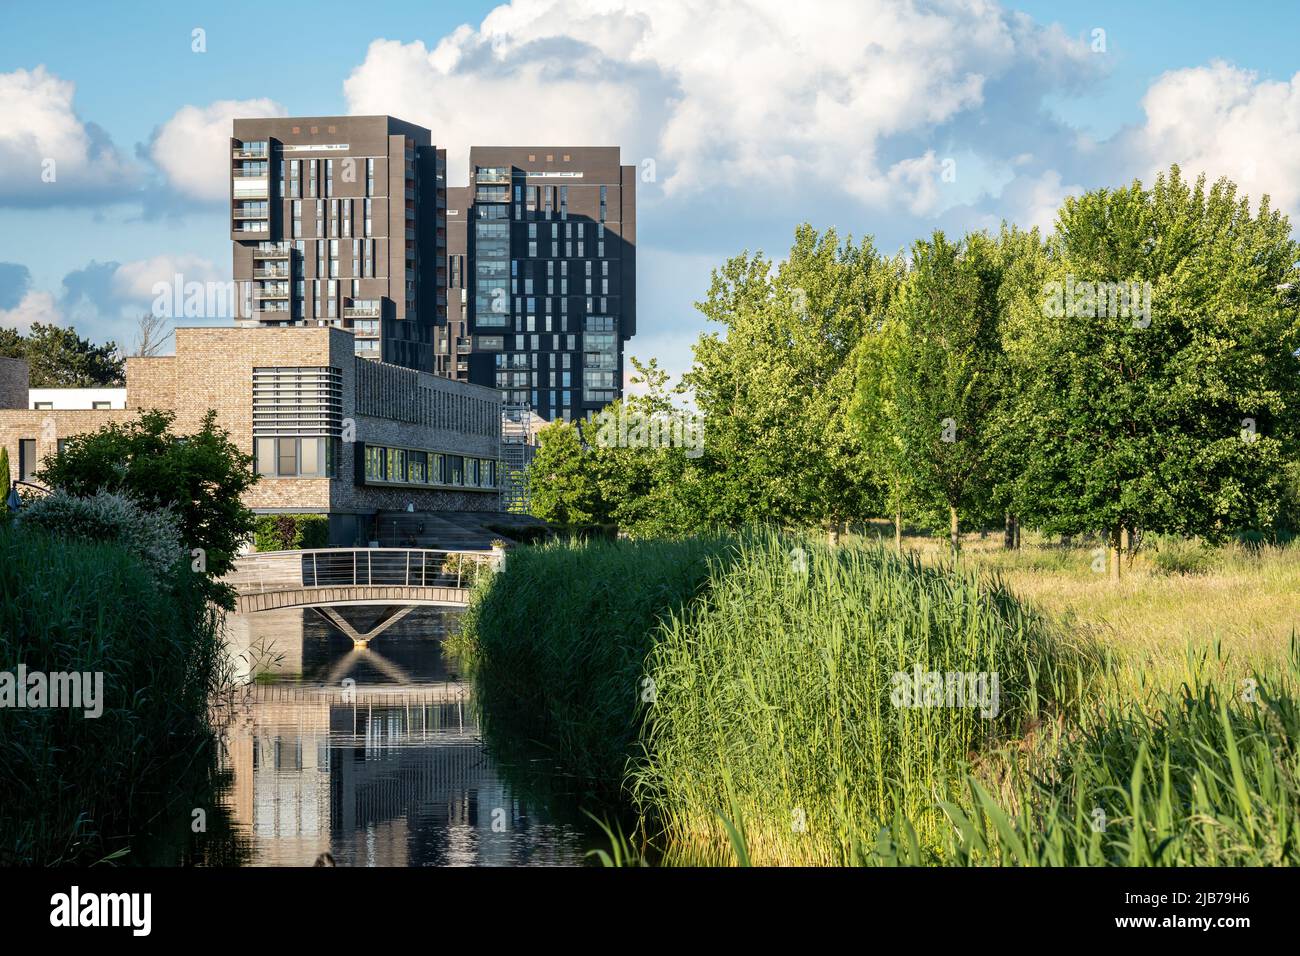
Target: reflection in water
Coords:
[[389, 771]]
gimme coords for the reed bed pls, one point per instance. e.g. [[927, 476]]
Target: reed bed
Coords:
[[1208, 775], [71, 787], [777, 709], [773, 733], [557, 643]]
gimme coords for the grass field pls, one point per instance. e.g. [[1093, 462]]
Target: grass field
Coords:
[[1244, 602]]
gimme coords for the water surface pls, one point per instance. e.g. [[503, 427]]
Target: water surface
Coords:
[[372, 755]]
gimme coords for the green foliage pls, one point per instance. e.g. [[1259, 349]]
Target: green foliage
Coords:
[[150, 534], [779, 703], [72, 786], [290, 532], [775, 389], [199, 477], [561, 485], [1178, 419], [557, 642], [940, 376], [1205, 777], [59, 358], [5, 478]]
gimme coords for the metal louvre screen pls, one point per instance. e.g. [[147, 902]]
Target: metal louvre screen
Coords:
[[298, 401]]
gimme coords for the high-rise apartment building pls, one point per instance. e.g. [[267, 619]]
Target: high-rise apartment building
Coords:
[[523, 281], [546, 286], [340, 221]]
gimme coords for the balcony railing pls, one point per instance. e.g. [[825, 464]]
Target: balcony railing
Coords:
[[242, 152], [271, 273], [361, 312], [277, 250]]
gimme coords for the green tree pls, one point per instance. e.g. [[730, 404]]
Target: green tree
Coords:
[[1157, 368], [775, 388], [561, 479], [640, 447], [201, 477], [59, 358], [943, 369]]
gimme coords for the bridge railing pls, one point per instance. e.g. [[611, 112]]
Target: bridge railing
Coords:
[[360, 567]]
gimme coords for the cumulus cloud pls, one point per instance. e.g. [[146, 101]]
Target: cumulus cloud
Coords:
[[191, 148], [732, 97], [48, 155], [1224, 121], [34, 306], [111, 291]]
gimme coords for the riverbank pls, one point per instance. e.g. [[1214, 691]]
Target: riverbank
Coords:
[[777, 727], [81, 776]]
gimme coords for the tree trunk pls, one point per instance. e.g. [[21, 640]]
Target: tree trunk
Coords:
[[1116, 552], [1016, 519], [953, 533], [1009, 536], [898, 531], [833, 532]]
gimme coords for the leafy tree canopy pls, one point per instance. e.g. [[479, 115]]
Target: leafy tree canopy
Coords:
[[59, 358]]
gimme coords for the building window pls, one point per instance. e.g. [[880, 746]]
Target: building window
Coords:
[[286, 456], [26, 459], [44, 406], [100, 406]]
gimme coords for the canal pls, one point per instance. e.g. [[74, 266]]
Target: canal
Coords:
[[371, 755]]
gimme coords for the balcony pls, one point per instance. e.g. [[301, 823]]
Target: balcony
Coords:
[[361, 311], [282, 273], [492, 174], [272, 250], [252, 213], [272, 292], [251, 151]]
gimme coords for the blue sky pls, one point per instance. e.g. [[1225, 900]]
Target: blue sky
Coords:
[[755, 115]]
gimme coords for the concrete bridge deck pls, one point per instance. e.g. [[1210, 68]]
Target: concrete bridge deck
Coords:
[[342, 577]]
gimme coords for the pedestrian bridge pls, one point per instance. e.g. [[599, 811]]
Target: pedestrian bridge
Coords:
[[395, 578]]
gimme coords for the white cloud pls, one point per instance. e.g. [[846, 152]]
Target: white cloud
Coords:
[[192, 147], [1030, 201], [1223, 121], [48, 156], [135, 282], [35, 306], [737, 96]]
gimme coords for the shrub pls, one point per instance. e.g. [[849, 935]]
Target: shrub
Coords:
[[290, 532], [1173, 555], [200, 477], [149, 534], [524, 534]]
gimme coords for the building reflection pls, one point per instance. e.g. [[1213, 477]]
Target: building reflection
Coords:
[[389, 772]]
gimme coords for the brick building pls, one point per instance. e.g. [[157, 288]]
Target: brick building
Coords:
[[331, 432]]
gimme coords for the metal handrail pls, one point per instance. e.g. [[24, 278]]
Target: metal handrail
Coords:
[[408, 567]]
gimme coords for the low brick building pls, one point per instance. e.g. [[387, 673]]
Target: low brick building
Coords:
[[331, 433]]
